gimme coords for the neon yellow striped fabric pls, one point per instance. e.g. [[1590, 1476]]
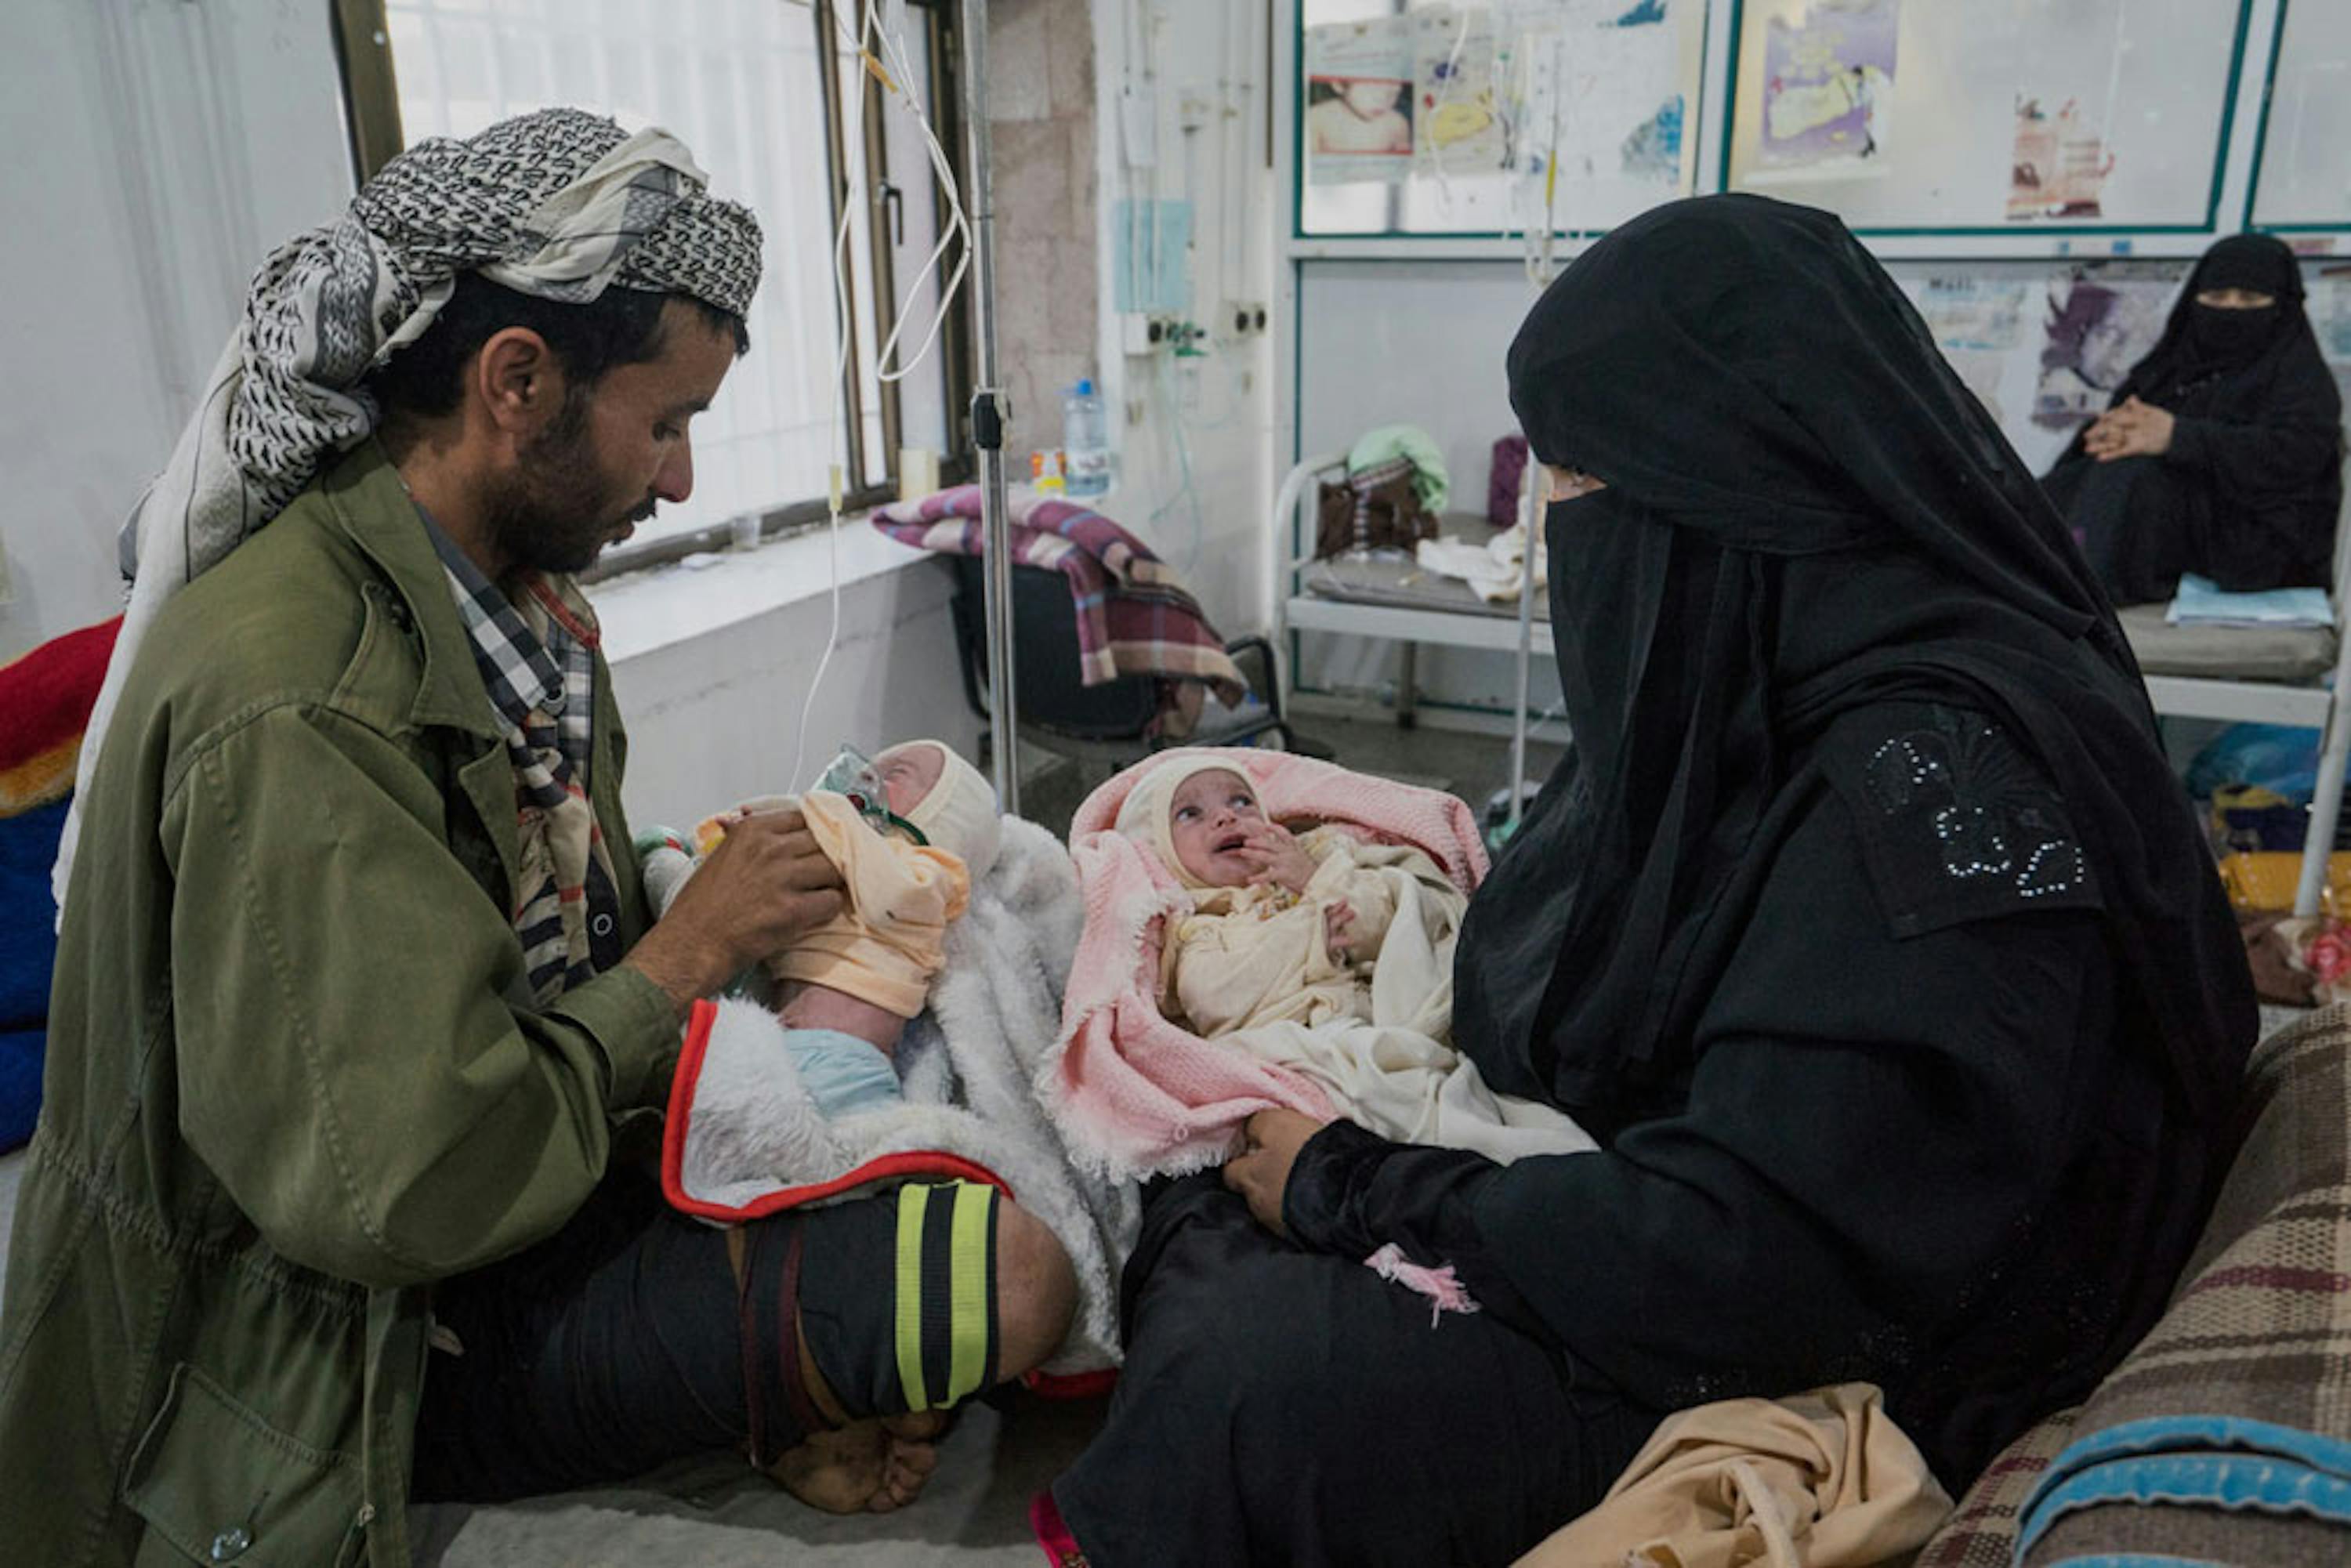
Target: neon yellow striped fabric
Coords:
[[911, 1203], [969, 1279]]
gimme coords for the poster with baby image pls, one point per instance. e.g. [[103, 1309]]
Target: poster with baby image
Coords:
[[1359, 102]]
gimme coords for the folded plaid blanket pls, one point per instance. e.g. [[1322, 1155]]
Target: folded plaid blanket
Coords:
[[1134, 617], [2225, 1434], [1983, 1533]]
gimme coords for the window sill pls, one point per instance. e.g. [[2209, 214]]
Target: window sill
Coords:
[[645, 611]]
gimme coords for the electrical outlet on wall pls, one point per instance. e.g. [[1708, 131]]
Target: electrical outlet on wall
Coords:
[[1238, 318]]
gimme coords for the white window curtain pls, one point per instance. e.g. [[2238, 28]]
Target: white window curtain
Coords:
[[737, 81]]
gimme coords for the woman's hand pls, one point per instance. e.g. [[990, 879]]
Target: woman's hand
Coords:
[[1260, 1172], [1280, 859], [2130, 429]]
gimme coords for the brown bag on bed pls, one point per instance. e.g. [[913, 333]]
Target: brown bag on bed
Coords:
[[1393, 512]]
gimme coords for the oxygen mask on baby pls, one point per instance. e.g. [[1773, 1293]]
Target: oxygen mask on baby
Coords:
[[852, 775]]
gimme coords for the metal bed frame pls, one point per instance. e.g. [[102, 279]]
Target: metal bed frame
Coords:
[[1294, 610]]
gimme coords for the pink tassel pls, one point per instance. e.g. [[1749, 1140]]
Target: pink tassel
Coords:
[[1446, 1293]]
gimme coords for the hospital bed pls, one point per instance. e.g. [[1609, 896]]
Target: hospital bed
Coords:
[[2273, 674], [1398, 602]]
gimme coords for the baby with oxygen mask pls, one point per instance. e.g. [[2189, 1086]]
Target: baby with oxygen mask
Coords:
[[909, 832]]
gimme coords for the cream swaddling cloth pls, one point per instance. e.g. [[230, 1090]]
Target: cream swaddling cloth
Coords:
[[1259, 955]]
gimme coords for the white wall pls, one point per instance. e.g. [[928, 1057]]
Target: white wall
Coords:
[[714, 719], [1203, 49], [162, 150]]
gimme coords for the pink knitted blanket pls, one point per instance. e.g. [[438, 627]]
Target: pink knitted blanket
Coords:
[[1133, 1093]]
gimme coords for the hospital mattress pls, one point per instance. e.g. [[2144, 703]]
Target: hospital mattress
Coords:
[[2287, 654], [2282, 653]]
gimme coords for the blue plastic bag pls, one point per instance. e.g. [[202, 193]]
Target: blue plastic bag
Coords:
[[2279, 758]]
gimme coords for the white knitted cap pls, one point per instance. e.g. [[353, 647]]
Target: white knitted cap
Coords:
[[959, 815]]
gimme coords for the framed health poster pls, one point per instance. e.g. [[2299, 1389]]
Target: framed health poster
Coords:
[[1489, 120], [1993, 117]]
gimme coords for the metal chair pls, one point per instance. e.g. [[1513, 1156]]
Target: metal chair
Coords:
[[1109, 723]]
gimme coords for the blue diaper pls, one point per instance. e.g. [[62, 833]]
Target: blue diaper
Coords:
[[843, 1073]]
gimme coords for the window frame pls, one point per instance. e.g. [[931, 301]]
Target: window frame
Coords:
[[370, 94]]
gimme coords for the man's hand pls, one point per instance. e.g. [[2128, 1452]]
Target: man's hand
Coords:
[[765, 884], [1260, 1172], [1279, 858], [2130, 429]]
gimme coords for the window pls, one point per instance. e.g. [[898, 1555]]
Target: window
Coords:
[[745, 84]]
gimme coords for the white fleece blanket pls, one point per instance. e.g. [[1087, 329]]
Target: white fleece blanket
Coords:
[[753, 1143]]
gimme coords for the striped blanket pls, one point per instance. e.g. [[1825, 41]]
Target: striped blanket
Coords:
[[2225, 1434], [45, 702], [1134, 617]]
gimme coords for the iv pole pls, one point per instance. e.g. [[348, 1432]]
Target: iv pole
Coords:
[[987, 411]]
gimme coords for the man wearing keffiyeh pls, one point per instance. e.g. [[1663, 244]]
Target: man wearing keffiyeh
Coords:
[[359, 1010]]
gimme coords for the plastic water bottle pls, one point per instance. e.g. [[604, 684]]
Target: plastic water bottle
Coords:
[[1086, 440]]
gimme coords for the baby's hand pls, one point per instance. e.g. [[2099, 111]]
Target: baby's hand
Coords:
[[1338, 918], [1279, 859]]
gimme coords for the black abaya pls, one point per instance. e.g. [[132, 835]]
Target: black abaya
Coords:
[[1865, 925]]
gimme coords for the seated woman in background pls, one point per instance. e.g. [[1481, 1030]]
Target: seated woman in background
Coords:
[[2219, 455]]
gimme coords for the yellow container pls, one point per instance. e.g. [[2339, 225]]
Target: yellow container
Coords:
[[2264, 881]]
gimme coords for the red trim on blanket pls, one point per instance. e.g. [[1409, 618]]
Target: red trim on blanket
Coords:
[[1094, 1385], [907, 1163]]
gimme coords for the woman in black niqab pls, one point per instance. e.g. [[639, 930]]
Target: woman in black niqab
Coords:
[[1864, 926], [1806, 512], [2221, 452]]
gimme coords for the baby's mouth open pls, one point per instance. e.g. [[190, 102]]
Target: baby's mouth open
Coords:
[[1232, 842]]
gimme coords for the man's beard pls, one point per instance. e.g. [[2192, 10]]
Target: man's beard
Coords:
[[555, 513]]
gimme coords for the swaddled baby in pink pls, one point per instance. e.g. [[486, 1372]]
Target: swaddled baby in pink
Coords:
[[1283, 927], [1324, 953]]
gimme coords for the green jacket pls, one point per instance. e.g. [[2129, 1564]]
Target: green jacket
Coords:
[[293, 1075]]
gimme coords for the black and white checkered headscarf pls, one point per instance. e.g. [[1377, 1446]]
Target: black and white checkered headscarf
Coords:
[[560, 203]]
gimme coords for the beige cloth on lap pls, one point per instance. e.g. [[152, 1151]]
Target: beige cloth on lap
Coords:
[[1823, 1480]]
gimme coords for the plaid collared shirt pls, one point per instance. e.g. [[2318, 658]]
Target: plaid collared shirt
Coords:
[[545, 690], [530, 681]]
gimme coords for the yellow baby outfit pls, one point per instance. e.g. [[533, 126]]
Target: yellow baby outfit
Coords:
[[1251, 955], [889, 939]]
